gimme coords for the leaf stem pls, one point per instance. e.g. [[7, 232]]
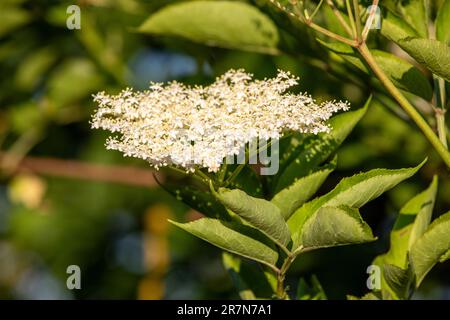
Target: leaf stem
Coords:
[[405, 104], [315, 10], [234, 174], [390, 87], [340, 18], [369, 20], [281, 275], [351, 18], [330, 34], [440, 101], [357, 20], [440, 123]]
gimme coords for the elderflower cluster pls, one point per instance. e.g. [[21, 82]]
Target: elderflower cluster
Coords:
[[199, 126]]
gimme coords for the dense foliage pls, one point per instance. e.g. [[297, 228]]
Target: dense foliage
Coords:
[[281, 235]]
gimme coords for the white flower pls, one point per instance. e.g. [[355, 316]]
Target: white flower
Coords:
[[191, 127]]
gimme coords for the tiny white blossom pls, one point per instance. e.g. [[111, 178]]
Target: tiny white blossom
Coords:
[[190, 127]]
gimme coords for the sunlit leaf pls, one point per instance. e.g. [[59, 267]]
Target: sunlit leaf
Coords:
[[260, 213], [232, 237], [228, 24], [354, 192], [431, 247]]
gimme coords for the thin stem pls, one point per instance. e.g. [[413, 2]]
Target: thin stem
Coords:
[[340, 18], [331, 34], [202, 175], [314, 26], [183, 172], [440, 123], [405, 104], [390, 87], [369, 21], [439, 97], [357, 20], [281, 291], [234, 174], [315, 10], [222, 173], [350, 16]]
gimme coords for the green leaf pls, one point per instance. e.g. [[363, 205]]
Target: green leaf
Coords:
[[232, 237], [398, 279], [247, 180], [346, 52], [260, 213], [335, 226], [445, 256], [415, 13], [251, 280], [395, 28], [319, 148], [292, 197], [199, 200], [422, 207], [310, 292], [228, 24], [443, 23], [431, 247], [433, 54], [404, 75], [12, 18], [413, 219], [354, 192]]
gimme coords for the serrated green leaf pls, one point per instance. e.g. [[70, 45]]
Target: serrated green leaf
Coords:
[[395, 28], [404, 75], [228, 24], [292, 197], [432, 54], [318, 148], [415, 13], [413, 218], [422, 207], [335, 226], [431, 247], [354, 192], [443, 23], [232, 237], [260, 213], [250, 280]]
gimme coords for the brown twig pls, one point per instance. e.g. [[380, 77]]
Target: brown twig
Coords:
[[75, 169]]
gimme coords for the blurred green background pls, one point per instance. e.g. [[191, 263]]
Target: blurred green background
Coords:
[[55, 213]]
